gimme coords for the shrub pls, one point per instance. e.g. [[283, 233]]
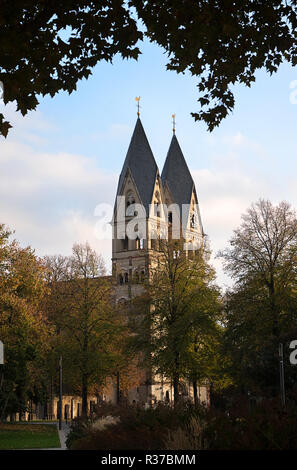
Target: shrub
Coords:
[[120, 438], [188, 437], [134, 428], [262, 427], [102, 423], [79, 428]]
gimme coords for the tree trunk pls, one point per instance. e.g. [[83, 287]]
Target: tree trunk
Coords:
[[3, 411], [195, 392], [84, 396], [196, 347], [176, 379], [175, 389], [211, 401], [274, 312]]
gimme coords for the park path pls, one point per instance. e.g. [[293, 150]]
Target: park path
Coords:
[[63, 433]]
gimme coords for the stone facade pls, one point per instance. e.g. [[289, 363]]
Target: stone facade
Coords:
[[140, 183]]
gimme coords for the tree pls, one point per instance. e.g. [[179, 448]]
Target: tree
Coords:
[[48, 46], [205, 360], [261, 308], [80, 305], [263, 251], [24, 330], [177, 312], [221, 43]]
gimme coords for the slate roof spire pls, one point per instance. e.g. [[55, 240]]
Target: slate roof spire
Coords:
[[142, 165], [177, 174]]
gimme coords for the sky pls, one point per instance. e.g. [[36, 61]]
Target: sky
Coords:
[[59, 165]]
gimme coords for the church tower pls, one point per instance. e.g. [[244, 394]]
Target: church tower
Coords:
[[145, 207], [140, 194], [134, 244]]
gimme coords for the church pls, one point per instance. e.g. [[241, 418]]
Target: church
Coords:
[[151, 205]]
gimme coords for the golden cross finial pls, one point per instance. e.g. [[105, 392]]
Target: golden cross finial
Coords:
[[173, 123], [138, 105]]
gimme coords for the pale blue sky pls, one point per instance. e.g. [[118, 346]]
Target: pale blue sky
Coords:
[[58, 163]]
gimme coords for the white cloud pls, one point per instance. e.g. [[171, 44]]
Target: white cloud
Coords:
[[50, 198], [229, 186]]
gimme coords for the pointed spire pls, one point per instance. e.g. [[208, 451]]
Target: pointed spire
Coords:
[[141, 162], [177, 175]]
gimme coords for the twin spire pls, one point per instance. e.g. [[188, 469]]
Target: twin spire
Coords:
[[141, 165]]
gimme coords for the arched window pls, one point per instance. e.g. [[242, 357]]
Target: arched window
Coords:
[[139, 243], [121, 279], [130, 198], [193, 220], [157, 205], [142, 275], [126, 278]]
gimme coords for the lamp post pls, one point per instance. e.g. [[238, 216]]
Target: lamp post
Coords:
[[60, 392], [282, 375]]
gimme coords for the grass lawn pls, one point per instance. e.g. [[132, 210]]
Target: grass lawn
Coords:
[[28, 436]]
